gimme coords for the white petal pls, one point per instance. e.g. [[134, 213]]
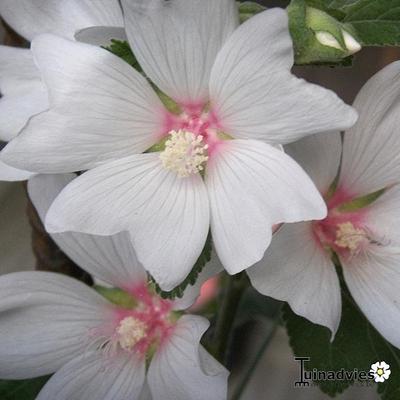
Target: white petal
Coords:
[[11, 174], [371, 160], [254, 95], [319, 155], [22, 92], [93, 376], [298, 270], [382, 217], [179, 372], [176, 42], [145, 394], [45, 320], [101, 35], [253, 186], [62, 17], [167, 216], [101, 109], [109, 258], [192, 292], [373, 279]]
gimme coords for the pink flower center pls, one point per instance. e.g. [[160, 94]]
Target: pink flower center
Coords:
[[141, 329], [344, 232], [191, 138]]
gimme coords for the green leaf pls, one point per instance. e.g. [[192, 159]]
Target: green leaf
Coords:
[[377, 23], [191, 279], [357, 345], [374, 22], [22, 390], [307, 49], [122, 50]]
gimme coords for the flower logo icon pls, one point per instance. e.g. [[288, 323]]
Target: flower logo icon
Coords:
[[381, 371]]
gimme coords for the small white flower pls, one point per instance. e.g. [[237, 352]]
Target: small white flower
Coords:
[[298, 268], [53, 324], [220, 168], [381, 371]]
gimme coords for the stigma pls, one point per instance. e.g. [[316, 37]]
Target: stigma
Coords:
[[185, 153], [130, 332], [349, 237]]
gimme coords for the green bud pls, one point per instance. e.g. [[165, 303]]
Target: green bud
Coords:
[[330, 32], [318, 37]]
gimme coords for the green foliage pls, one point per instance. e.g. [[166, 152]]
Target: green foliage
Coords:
[[375, 22], [26, 389], [191, 279], [122, 50], [307, 49], [356, 345], [116, 296]]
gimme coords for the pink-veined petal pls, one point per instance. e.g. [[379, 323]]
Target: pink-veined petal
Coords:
[[254, 95], [11, 174], [22, 92], [109, 258], [253, 186], [373, 278], [183, 370], [62, 17], [298, 270], [101, 109], [93, 376], [319, 155], [176, 42], [371, 160], [45, 321], [167, 216]]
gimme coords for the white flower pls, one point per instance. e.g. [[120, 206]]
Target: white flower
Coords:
[[23, 94], [298, 268], [231, 83], [381, 371], [50, 323]]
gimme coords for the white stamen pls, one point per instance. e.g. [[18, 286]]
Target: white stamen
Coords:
[[185, 153], [349, 237], [130, 331]]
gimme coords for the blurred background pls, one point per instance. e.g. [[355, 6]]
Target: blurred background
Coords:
[[274, 377]]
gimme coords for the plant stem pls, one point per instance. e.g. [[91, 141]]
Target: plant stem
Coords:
[[231, 296], [253, 365]]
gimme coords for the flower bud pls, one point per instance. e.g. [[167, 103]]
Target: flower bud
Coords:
[[329, 32], [318, 37]]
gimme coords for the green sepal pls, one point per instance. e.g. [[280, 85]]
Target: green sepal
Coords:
[[122, 50], [191, 279], [361, 202], [248, 9], [117, 296]]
